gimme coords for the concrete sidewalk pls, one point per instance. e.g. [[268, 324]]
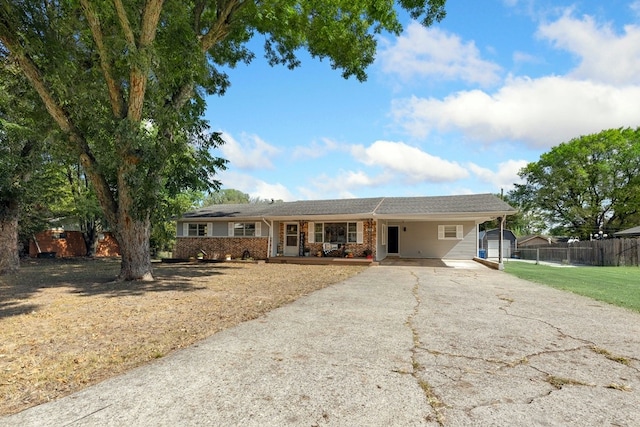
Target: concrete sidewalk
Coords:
[[393, 346]]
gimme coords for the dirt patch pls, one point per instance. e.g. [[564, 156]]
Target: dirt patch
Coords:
[[66, 325]]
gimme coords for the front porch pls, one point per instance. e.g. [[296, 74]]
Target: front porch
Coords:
[[314, 260]]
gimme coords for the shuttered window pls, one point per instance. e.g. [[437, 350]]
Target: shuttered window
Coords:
[[450, 232], [244, 229], [196, 230], [336, 232]]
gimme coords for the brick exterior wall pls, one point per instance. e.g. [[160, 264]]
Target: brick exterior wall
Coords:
[[219, 247], [368, 239], [72, 245]]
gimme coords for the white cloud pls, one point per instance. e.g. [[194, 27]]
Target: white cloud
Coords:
[[342, 181], [541, 112], [604, 55], [413, 164], [315, 149], [433, 52], [635, 7], [250, 153], [255, 187], [523, 57], [504, 178], [601, 92]]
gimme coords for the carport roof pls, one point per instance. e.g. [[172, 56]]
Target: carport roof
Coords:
[[630, 232], [475, 204]]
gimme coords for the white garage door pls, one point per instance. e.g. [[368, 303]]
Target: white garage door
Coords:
[[492, 251]]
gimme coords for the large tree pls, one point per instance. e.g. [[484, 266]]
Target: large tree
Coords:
[[588, 184], [125, 81], [23, 129]]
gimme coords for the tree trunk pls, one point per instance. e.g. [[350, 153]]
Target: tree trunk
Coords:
[[9, 259], [133, 239], [90, 236]]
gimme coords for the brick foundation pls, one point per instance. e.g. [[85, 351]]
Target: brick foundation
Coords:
[[219, 247]]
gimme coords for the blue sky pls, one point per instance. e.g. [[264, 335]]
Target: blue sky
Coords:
[[456, 108]]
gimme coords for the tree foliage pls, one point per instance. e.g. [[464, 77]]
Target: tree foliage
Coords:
[[126, 81], [225, 197], [525, 222], [588, 184], [23, 133]]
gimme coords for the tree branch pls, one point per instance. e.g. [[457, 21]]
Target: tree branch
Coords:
[[220, 28], [115, 94], [139, 71], [124, 24], [87, 159]]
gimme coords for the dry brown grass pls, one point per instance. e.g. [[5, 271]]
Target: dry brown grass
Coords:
[[65, 325]]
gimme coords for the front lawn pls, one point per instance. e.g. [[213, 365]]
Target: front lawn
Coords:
[[616, 285]]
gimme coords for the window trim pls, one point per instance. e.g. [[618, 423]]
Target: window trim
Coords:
[[442, 232], [198, 225], [357, 234], [257, 229]]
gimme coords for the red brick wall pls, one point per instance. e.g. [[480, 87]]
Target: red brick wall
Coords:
[[368, 238], [108, 246], [218, 247], [72, 245]]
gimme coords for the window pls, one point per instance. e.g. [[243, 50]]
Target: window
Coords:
[[244, 229], [336, 232], [352, 232], [450, 232], [58, 234], [197, 230], [318, 232]]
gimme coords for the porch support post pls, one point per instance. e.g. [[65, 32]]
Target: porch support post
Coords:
[[500, 243]]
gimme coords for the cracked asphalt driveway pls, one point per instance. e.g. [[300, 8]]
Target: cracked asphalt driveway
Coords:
[[496, 350], [392, 346]]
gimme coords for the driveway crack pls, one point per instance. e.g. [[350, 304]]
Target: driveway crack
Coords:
[[431, 397]]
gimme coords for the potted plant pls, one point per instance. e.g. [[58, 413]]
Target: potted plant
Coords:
[[368, 253], [307, 251], [348, 253]]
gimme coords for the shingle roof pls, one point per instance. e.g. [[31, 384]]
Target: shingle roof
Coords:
[[474, 203], [465, 204], [245, 210], [635, 231], [327, 207]]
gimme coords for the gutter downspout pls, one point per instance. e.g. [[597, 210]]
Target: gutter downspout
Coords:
[[269, 240]]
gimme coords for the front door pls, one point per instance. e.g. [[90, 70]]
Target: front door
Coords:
[[393, 240], [291, 239]]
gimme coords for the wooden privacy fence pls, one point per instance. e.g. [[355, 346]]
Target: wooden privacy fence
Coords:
[[611, 252]]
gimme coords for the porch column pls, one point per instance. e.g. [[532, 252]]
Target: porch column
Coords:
[[500, 243]]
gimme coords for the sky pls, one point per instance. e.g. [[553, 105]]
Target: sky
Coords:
[[456, 108]]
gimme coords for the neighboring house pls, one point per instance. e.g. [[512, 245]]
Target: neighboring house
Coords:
[[490, 241], [630, 232], [534, 240], [62, 244], [410, 227]]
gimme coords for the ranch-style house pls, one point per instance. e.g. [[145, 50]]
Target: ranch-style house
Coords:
[[444, 227]]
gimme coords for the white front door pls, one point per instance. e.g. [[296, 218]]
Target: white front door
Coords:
[[291, 237]]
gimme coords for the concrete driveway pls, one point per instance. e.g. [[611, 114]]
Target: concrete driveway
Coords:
[[393, 346]]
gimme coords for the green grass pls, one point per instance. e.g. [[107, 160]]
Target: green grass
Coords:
[[615, 285]]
